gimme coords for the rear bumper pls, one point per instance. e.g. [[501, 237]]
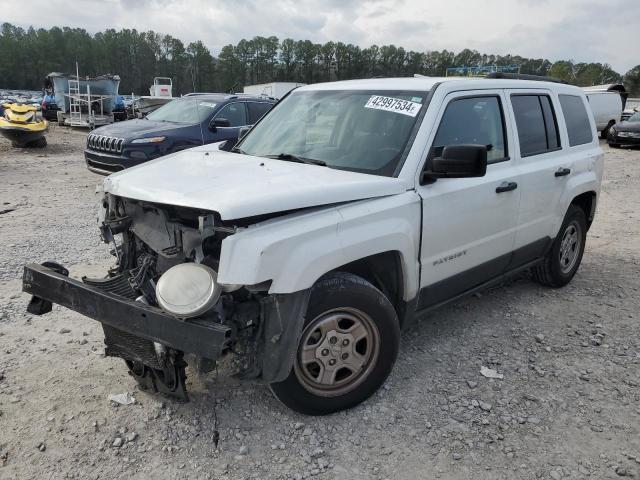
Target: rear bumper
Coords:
[[205, 340]]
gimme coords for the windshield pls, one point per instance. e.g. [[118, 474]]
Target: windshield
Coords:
[[183, 110], [635, 117], [361, 131]]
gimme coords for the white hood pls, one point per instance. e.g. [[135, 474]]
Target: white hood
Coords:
[[239, 186]]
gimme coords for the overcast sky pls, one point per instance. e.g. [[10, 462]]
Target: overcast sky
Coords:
[[583, 30]]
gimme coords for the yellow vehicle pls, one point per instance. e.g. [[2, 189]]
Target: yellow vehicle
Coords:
[[20, 125]]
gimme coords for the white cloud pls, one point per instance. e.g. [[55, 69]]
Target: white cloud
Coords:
[[561, 29]]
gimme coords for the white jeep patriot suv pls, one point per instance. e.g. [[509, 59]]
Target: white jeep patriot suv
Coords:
[[342, 216]]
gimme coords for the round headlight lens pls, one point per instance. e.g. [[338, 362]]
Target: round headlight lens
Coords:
[[188, 289]]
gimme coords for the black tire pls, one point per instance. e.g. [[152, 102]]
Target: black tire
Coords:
[[614, 145], [555, 271], [334, 293]]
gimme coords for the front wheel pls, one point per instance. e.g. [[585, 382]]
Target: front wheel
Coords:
[[563, 260], [347, 349]]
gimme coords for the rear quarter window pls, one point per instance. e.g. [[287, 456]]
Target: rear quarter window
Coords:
[[257, 110], [577, 120]]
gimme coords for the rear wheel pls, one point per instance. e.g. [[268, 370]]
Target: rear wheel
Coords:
[[563, 260], [348, 346]]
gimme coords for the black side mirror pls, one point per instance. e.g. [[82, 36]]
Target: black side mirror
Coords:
[[458, 161], [219, 123]]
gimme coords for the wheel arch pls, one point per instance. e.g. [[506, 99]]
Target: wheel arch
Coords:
[[385, 271], [587, 202]]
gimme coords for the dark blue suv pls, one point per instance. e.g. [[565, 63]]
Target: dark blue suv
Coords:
[[185, 122]]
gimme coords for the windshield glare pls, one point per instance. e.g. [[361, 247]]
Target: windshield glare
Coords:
[[635, 117], [361, 131], [183, 110]]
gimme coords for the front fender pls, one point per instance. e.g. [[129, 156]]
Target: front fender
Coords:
[[294, 251]]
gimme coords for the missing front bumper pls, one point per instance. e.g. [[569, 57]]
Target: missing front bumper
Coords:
[[197, 337]]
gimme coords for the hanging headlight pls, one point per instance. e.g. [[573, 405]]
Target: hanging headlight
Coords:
[[188, 289]]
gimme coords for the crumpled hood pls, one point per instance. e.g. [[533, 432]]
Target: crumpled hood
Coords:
[[240, 186]]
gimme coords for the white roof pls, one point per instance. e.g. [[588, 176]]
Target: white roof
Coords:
[[427, 83], [610, 87]]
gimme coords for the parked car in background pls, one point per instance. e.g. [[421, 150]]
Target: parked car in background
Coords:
[[625, 133], [183, 123], [49, 107], [347, 213], [607, 103], [632, 106]]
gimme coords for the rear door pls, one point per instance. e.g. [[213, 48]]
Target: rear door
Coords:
[[543, 169], [257, 110], [468, 223]]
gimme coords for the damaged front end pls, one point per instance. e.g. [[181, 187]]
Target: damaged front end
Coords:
[[161, 305]]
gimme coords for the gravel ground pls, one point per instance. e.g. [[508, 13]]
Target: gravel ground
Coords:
[[568, 406]]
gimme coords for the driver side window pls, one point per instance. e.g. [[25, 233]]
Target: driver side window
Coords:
[[473, 120], [235, 113]]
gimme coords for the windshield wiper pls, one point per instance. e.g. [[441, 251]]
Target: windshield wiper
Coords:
[[288, 157]]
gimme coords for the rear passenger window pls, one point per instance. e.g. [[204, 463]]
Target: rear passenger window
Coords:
[[257, 110], [577, 120], [476, 120], [536, 124]]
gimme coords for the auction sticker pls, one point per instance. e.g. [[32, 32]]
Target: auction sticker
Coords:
[[390, 104]]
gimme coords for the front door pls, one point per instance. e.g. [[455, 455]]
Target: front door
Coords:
[[236, 114], [469, 224]]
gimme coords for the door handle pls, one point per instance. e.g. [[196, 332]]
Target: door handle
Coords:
[[561, 172], [506, 187]]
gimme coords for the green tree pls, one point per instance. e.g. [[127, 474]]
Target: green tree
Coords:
[[27, 55], [563, 70], [588, 74], [631, 81], [287, 60]]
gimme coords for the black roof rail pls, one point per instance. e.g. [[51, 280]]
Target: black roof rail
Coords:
[[524, 76]]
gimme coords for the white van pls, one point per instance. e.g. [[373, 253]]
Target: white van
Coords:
[[607, 105]]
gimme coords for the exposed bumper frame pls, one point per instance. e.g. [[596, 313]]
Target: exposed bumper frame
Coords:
[[205, 340]]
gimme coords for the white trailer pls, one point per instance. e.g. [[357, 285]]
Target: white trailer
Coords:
[[273, 89]]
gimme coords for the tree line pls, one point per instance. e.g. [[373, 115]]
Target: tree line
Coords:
[[27, 55]]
